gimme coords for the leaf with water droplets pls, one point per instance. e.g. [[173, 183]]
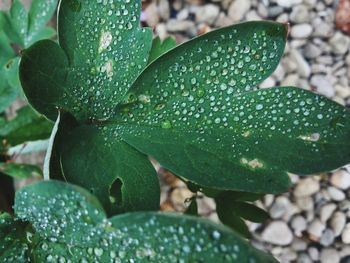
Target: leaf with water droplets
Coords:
[[24, 28], [160, 47], [121, 177], [13, 240], [197, 110], [18, 30], [70, 224], [100, 53]]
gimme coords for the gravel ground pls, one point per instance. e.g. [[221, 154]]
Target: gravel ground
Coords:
[[311, 223]]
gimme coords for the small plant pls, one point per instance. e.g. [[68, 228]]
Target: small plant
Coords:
[[117, 99]]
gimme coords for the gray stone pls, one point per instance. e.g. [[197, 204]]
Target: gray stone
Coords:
[[327, 238], [262, 10], [303, 68], [338, 222], [300, 14], [341, 178], [314, 254], [164, 9], [312, 51], [288, 3], [329, 255], [275, 11], [323, 85], [315, 229], [301, 31], [322, 28], [151, 14], [207, 13], [336, 194], [339, 43], [345, 236], [306, 187], [327, 211], [299, 244], [299, 225], [183, 14], [278, 233], [279, 208], [305, 203], [174, 25], [238, 9], [304, 258]]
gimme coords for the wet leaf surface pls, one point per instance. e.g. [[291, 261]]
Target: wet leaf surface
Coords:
[[72, 225]]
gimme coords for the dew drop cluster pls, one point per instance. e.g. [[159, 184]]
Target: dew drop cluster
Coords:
[[73, 230]]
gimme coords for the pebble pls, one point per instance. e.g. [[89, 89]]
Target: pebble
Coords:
[[151, 14], [329, 255], [341, 178], [278, 233], [327, 238], [279, 208], [315, 229], [343, 92], [314, 253], [238, 9], [304, 68], [327, 211], [322, 28], [275, 11], [299, 244], [207, 13], [301, 31], [312, 51], [307, 187], [338, 222], [164, 9], [339, 43], [300, 14], [174, 25], [305, 203], [288, 3], [336, 194], [345, 236], [304, 258], [299, 225], [323, 85]]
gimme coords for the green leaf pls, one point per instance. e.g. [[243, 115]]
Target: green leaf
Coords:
[[102, 51], [28, 125], [24, 28], [236, 148], [122, 178], [13, 244], [229, 218], [18, 170], [192, 208], [185, 103], [110, 162], [160, 47], [15, 23], [250, 212], [39, 15], [17, 31], [70, 224]]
